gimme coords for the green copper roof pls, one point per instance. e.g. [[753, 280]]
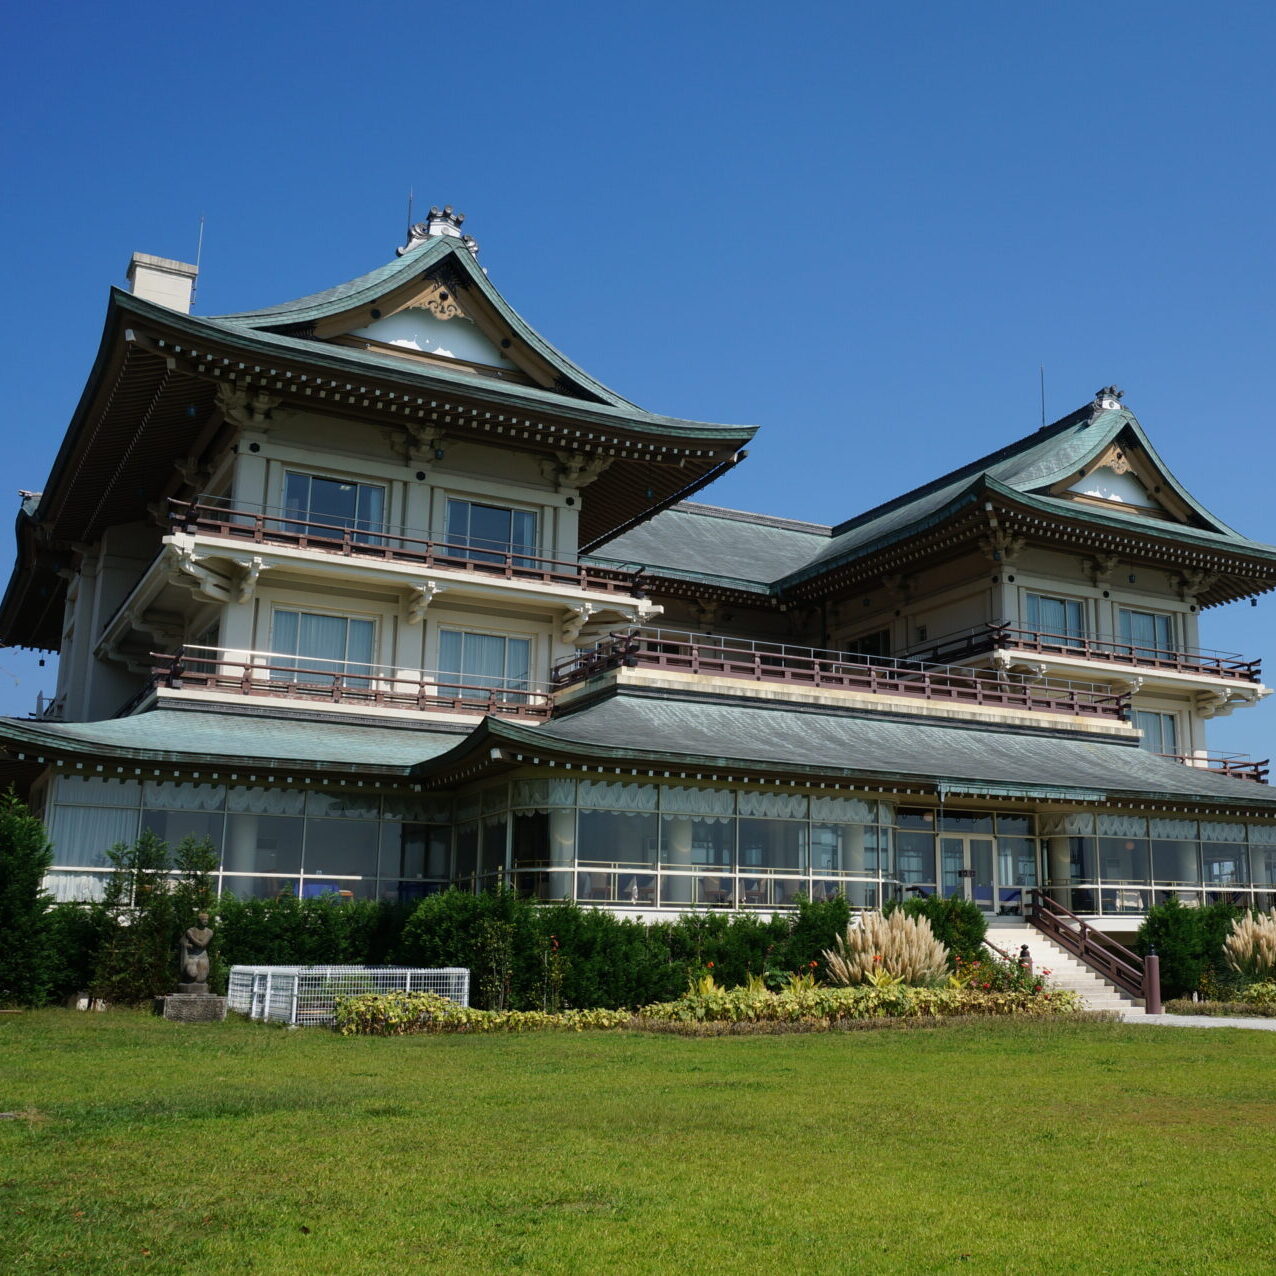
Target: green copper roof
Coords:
[[194, 737], [656, 727]]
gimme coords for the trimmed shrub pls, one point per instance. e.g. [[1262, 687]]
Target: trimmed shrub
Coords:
[[1250, 948], [897, 946], [400, 1014], [26, 955], [958, 923], [1188, 941]]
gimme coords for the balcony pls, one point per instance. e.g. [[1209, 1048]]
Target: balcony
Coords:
[[1003, 636], [330, 682], [1238, 766], [271, 526], [807, 667]]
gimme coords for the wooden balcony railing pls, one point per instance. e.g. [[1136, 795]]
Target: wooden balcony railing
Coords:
[[1129, 971], [1239, 766], [266, 525], [811, 668], [342, 682], [1001, 635]]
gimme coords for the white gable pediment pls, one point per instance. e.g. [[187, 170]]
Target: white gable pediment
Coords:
[[453, 338], [1104, 483]]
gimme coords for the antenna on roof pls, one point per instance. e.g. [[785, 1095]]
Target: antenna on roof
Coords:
[[1041, 368], [199, 252], [410, 193]]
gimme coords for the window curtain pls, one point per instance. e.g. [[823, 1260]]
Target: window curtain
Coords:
[[1175, 830], [183, 797], [1062, 616], [419, 810], [542, 795], [81, 835], [1262, 834], [266, 801], [95, 792], [343, 806], [75, 888], [1216, 831], [713, 803], [836, 810], [1111, 825], [773, 806], [1071, 824], [600, 795], [497, 798]]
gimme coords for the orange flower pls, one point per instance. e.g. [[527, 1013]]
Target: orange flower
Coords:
[[711, 965]]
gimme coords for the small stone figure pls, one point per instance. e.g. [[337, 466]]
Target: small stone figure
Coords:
[[194, 956]]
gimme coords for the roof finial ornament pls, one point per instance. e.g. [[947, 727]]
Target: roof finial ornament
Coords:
[[442, 223], [1108, 399]]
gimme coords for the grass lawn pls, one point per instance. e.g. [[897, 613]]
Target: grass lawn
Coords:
[[998, 1146]]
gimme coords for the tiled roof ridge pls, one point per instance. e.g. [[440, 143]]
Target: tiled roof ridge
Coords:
[[748, 516]]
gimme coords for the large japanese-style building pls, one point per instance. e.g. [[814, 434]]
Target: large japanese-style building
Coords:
[[381, 592]]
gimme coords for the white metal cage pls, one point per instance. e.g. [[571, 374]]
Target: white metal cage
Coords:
[[306, 994]]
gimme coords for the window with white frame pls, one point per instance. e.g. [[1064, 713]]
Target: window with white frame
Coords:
[[314, 646], [476, 660], [1145, 632], [1160, 731], [491, 532], [334, 504], [1055, 617]]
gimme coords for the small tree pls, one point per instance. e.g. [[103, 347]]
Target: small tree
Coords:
[[138, 957], [26, 957], [898, 945]]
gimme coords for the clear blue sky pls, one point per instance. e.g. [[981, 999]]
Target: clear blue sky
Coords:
[[861, 226]]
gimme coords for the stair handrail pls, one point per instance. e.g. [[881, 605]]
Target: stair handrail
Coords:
[[1124, 968]]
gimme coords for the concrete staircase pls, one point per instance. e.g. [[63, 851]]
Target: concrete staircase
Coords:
[[1066, 971]]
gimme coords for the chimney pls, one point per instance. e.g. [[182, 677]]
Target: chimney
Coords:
[[167, 283]]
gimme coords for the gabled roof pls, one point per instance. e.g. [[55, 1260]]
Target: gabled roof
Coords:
[[751, 553], [438, 254]]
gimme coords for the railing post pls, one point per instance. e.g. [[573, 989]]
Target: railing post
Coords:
[[1152, 983]]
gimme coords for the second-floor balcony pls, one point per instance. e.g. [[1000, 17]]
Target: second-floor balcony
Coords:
[[743, 659], [319, 681], [1002, 635], [1237, 766], [360, 538]]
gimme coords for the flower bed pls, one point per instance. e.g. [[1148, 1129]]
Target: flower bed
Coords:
[[402, 1013]]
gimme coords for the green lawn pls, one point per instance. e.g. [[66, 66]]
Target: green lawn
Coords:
[[996, 1146]]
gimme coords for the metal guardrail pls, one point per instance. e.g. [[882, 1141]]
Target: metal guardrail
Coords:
[[269, 525], [999, 635], [305, 995], [1239, 766], [376, 686], [720, 656]]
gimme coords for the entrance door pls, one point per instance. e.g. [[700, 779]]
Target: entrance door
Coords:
[[967, 869]]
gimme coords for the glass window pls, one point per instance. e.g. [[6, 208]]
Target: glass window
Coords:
[[1175, 860], [173, 826], [495, 836], [964, 822], [334, 505], [488, 533], [915, 817], [1056, 617], [1226, 864], [687, 840], [1017, 861], [260, 887], [915, 856], [1015, 825], [348, 847], [1123, 859], [530, 841], [413, 851], [467, 840], [1144, 633], [874, 644], [484, 660], [319, 646], [617, 837], [263, 844], [1160, 732], [773, 844], [844, 848]]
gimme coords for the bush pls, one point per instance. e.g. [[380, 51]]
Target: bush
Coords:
[[26, 955], [958, 923], [76, 932], [399, 1014], [1188, 941], [898, 946], [1250, 948]]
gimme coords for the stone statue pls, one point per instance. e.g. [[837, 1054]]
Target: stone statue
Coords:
[[194, 956]]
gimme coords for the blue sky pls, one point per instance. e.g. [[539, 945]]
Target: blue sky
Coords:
[[861, 226]]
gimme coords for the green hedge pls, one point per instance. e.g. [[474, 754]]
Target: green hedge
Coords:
[[1189, 942]]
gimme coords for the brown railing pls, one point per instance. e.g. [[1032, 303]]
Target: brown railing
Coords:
[[269, 674], [1239, 766], [262, 525], [808, 667], [996, 635], [1127, 970]]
